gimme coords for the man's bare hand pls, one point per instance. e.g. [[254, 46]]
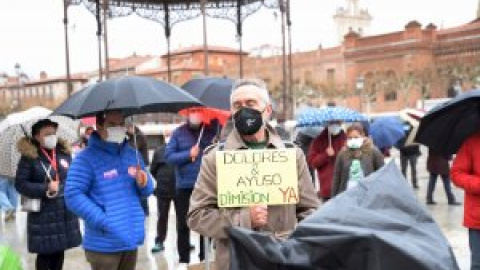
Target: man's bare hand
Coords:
[[259, 215], [141, 178], [194, 151], [53, 186]]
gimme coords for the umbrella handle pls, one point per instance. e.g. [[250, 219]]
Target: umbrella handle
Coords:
[[135, 141], [194, 158], [24, 131], [329, 139], [201, 135], [198, 140]]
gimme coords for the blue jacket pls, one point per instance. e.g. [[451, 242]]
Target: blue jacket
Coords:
[[101, 189], [177, 153]]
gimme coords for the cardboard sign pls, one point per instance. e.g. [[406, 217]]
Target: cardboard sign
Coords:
[[250, 177]]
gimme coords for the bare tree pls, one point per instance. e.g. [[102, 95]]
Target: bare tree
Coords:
[[375, 82], [458, 64], [333, 90], [425, 79], [406, 83]]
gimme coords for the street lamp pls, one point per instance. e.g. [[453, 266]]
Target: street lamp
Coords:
[[18, 72], [18, 69], [360, 84], [457, 88]]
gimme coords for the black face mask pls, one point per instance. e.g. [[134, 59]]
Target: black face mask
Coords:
[[248, 121]]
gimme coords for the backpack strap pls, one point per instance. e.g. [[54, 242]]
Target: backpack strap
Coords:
[[289, 144], [220, 145]]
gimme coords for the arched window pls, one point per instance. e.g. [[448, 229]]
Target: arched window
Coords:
[[390, 86]]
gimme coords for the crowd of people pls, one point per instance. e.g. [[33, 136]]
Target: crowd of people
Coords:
[[108, 182]]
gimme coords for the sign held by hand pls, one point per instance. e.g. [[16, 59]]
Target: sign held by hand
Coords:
[[251, 177]]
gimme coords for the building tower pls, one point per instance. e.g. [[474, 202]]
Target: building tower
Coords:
[[352, 18], [478, 10]]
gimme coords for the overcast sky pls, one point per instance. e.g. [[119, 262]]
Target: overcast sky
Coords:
[[32, 30]]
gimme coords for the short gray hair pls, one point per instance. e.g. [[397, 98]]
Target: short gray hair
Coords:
[[259, 84]]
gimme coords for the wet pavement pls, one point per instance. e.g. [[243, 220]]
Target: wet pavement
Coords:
[[448, 217]]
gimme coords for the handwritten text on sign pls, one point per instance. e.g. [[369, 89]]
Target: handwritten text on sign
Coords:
[[249, 177]]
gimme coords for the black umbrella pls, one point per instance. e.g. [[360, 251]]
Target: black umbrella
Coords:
[[213, 92], [376, 225], [130, 94], [447, 125]]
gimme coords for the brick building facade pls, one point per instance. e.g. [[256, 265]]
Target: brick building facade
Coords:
[[372, 74], [396, 69], [20, 94], [189, 62]]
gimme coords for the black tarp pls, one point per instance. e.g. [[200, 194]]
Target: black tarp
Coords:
[[378, 225]]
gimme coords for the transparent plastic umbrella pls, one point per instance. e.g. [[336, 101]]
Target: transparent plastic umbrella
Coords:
[[9, 155]]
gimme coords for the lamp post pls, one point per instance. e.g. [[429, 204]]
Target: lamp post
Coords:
[[66, 3], [360, 84], [18, 72], [457, 88], [285, 99], [203, 7]]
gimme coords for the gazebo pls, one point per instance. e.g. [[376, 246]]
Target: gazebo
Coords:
[[170, 12]]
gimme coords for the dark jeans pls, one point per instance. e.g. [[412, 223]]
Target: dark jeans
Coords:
[[474, 240], [52, 261], [312, 173], [182, 202], [163, 205], [412, 160], [125, 260], [446, 185]]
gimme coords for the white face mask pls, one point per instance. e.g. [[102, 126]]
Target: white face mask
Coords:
[[194, 119], [355, 143], [50, 141], [116, 134], [334, 129]]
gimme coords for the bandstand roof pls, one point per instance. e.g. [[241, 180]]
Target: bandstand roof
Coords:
[[179, 10]]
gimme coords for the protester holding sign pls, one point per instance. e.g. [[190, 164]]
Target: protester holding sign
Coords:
[[241, 182], [356, 160]]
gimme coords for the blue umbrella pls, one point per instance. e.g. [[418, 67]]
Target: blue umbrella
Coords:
[[387, 131], [311, 117]]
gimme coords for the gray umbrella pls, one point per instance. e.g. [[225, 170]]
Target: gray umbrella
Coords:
[[130, 94], [377, 225]]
